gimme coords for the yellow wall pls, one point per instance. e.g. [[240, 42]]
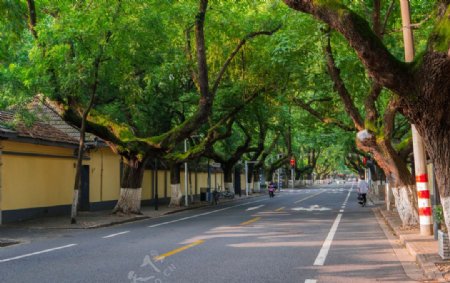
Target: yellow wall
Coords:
[[34, 181], [202, 182], [37, 181], [104, 175]]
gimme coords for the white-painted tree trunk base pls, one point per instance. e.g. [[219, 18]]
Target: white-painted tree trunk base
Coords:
[[129, 201], [176, 195], [249, 186], [229, 187], [256, 187], [445, 202], [404, 205]]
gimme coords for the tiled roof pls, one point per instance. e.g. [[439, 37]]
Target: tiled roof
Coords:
[[50, 117], [39, 130]]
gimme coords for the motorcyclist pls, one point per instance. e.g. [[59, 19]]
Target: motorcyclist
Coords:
[[271, 189]]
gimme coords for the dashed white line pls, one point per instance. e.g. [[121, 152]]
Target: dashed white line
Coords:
[[310, 281], [255, 207], [36, 253], [116, 234], [320, 260], [202, 214]]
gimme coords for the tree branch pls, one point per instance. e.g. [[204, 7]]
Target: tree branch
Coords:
[[317, 115], [235, 51], [379, 62], [339, 85], [32, 18]]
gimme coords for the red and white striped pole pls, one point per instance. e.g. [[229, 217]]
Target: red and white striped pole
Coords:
[[423, 193], [420, 164]]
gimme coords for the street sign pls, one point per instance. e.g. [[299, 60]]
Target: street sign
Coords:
[[215, 165]]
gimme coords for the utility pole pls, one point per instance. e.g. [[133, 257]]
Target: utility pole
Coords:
[[420, 162], [185, 176]]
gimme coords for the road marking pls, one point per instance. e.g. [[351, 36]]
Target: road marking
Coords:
[[320, 260], [255, 207], [311, 208], [300, 200], [279, 209], [193, 244], [205, 213], [250, 221], [37, 253], [310, 281], [116, 234]]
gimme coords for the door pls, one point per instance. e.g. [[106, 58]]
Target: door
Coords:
[[84, 195], [237, 181]]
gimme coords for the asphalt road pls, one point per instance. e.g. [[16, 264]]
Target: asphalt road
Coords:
[[308, 235]]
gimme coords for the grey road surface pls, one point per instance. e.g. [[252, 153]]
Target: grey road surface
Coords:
[[307, 235]]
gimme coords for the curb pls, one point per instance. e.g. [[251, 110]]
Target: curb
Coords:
[[431, 272]]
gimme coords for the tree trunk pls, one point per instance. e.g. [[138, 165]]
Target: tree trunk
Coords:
[[228, 177], [256, 182], [176, 194], [437, 143], [400, 179], [404, 202], [131, 186]]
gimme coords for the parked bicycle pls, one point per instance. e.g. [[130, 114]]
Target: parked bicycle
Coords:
[[227, 194]]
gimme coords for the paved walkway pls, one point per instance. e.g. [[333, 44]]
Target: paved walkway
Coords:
[[423, 248]]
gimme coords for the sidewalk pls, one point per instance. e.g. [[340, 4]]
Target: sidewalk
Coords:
[[97, 219], [423, 248]]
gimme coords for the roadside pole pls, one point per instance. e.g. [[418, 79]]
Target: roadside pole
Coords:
[[420, 164], [185, 176], [246, 178]]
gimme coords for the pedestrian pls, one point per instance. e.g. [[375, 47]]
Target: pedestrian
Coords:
[[363, 189]]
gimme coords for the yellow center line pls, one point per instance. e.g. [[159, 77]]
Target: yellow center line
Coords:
[[250, 221], [193, 244], [300, 200], [279, 209]]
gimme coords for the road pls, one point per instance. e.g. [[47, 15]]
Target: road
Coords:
[[308, 235]]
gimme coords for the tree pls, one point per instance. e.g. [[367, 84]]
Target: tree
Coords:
[[419, 87]]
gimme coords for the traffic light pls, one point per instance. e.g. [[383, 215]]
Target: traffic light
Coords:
[[292, 162]]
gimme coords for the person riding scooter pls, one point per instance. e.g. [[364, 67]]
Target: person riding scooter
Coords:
[[271, 190]]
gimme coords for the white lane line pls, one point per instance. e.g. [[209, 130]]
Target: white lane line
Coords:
[[310, 281], [116, 234], [36, 253], [255, 207], [341, 210], [205, 213], [320, 260]]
